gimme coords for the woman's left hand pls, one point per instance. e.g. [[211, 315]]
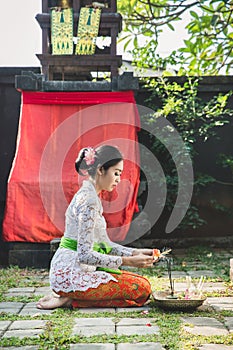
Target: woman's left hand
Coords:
[[143, 251]]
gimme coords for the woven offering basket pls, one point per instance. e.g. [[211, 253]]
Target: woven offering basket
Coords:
[[166, 301]]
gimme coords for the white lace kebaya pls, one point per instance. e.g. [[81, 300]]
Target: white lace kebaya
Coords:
[[76, 270]]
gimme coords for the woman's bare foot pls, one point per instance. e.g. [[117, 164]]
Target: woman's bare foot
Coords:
[[52, 302]]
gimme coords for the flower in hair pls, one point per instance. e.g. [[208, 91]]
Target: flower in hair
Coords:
[[90, 156]]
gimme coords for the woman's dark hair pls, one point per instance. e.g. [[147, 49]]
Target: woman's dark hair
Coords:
[[89, 159]]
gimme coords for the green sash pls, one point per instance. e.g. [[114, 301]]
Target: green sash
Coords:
[[101, 247]]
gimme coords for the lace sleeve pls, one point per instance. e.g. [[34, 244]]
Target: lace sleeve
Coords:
[[85, 221], [120, 250], [117, 249]]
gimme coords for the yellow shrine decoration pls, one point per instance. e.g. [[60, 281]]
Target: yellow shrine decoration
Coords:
[[88, 28], [62, 31]]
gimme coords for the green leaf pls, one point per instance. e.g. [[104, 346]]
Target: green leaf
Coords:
[[194, 14], [170, 26]]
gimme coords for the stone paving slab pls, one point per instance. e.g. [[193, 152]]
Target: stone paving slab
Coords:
[[140, 346], [95, 310], [92, 346], [11, 307], [176, 274], [26, 347], [206, 326], [4, 325], [140, 326], [229, 323], [28, 324], [199, 273], [93, 326], [21, 290], [212, 287], [14, 292], [221, 303], [25, 328], [22, 333], [133, 309], [133, 322], [30, 309], [89, 331], [137, 330], [98, 321], [42, 291], [216, 347]]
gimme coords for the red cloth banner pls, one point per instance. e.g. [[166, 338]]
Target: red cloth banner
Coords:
[[53, 127]]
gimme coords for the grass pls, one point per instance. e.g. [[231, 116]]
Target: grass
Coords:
[[57, 334]]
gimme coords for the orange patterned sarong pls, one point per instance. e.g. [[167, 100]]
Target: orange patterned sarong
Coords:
[[130, 290]]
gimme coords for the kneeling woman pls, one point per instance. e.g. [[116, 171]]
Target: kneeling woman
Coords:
[[84, 270]]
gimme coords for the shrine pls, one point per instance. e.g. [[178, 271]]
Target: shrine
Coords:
[[71, 60], [79, 20]]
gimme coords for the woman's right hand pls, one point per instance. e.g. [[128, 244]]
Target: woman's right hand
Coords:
[[139, 260]]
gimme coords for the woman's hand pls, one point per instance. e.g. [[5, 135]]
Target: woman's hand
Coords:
[[151, 252], [139, 260], [143, 251]]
